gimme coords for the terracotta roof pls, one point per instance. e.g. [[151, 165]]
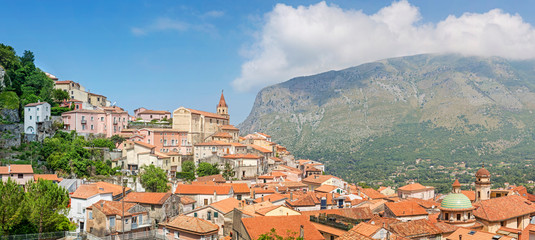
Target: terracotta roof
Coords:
[[222, 102], [445, 227], [213, 143], [63, 82], [482, 172], [88, 190], [310, 168], [405, 208], [222, 135], [415, 228], [502, 208], [272, 198], [34, 104], [243, 156], [425, 203], [212, 178], [305, 200], [147, 198], [470, 194], [414, 187], [189, 189], [526, 232], [185, 200], [154, 112], [239, 188], [260, 149], [262, 190], [192, 225], [276, 159], [359, 213], [266, 210], [366, 229], [229, 127], [283, 225], [456, 183], [206, 114], [372, 193], [51, 177], [16, 168], [252, 209], [163, 130], [471, 234], [353, 234], [226, 205], [327, 229], [235, 144], [114, 207], [317, 179], [377, 220], [325, 188], [263, 134], [144, 144]]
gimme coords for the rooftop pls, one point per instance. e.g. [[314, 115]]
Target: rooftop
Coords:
[[502, 208], [285, 226], [405, 208], [192, 225], [189, 189], [147, 198]]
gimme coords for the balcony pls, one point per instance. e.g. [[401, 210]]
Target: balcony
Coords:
[[84, 121], [115, 122]]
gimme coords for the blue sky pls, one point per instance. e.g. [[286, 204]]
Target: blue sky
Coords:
[[166, 54]]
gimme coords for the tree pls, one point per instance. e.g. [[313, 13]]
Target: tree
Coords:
[[206, 169], [188, 171], [228, 172], [60, 95], [154, 179], [117, 140], [11, 205], [46, 203]]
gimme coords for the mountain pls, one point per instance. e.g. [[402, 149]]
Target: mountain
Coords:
[[382, 116]]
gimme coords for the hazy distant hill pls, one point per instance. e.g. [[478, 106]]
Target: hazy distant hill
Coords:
[[379, 115]]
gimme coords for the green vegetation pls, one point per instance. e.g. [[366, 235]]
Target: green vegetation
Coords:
[[154, 179], [41, 208], [188, 171], [9, 100], [228, 172], [272, 235], [207, 169]]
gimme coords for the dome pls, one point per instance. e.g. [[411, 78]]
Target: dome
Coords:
[[456, 201], [482, 172]]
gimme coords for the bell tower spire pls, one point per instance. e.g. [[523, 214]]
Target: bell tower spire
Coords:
[[222, 107]]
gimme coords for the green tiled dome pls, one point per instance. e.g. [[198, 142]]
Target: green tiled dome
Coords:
[[456, 201]]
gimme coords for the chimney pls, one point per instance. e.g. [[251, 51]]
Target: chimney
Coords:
[[262, 198], [9, 168], [302, 232], [291, 196]]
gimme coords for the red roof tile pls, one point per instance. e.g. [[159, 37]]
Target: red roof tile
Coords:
[[147, 198], [470, 194], [415, 228], [499, 209], [285, 226], [114, 207], [471, 234], [226, 205], [21, 168], [212, 178], [222, 135], [260, 149], [206, 114], [414, 187], [189, 189], [405, 208], [229, 127], [185, 200], [51, 177], [359, 213], [192, 225]]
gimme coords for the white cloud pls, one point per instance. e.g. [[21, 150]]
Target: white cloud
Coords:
[[317, 38], [213, 14]]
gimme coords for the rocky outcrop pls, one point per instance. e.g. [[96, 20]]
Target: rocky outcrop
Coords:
[[11, 135]]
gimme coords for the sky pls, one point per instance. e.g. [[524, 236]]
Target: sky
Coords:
[[163, 55]]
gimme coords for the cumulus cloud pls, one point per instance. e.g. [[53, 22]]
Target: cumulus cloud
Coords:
[[312, 39], [168, 24]]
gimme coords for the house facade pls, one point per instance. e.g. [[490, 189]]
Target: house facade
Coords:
[[105, 218], [106, 121], [20, 173], [34, 115]]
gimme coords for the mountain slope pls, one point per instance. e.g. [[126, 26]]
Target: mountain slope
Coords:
[[448, 108]]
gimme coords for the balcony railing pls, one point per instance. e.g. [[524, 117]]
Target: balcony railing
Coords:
[[84, 121]]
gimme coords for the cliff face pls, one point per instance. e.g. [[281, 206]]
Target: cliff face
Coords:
[[406, 108]]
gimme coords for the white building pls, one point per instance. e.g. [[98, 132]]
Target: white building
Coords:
[[85, 196], [35, 113]]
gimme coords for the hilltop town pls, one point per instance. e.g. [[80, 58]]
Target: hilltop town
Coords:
[[221, 184]]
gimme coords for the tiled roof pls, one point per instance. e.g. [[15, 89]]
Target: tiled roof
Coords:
[[212, 178], [113, 207], [372, 193], [213, 143], [471, 234], [328, 229], [88, 190], [192, 225], [222, 135], [456, 183], [185, 200], [147, 197], [263, 134], [470, 194], [252, 208], [239, 188], [243, 156], [110, 187], [206, 114], [144, 144], [265, 210], [425, 203], [272, 198], [63, 82], [414, 187], [310, 168], [16, 168], [189, 189], [257, 190], [304, 200], [260, 149], [284, 225], [366, 229], [376, 220], [317, 179], [325, 188], [51, 177], [235, 144], [276, 159], [353, 234], [222, 102], [359, 213], [405, 208], [226, 205], [34, 104], [499, 209], [415, 228], [229, 127], [154, 112]]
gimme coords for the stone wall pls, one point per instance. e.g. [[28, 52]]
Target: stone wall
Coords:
[[11, 135], [10, 115]]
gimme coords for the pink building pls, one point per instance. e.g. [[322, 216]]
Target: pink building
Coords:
[[166, 140], [106, 121], [149, 115], [20, 173]]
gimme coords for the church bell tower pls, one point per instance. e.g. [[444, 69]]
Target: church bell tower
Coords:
[[222, 108]]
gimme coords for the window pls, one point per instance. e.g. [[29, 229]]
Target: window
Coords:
[[92, 127], [238, 197], [458, 217], [90, 215], [91, 118], [37, 109], [209, 216], [21, 175], [446, 216], [152, 207], [195, 214], [83, 127], [177, 235], [102, 119], [112, 221], [216, 214], [205, 201], [30, 117]]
